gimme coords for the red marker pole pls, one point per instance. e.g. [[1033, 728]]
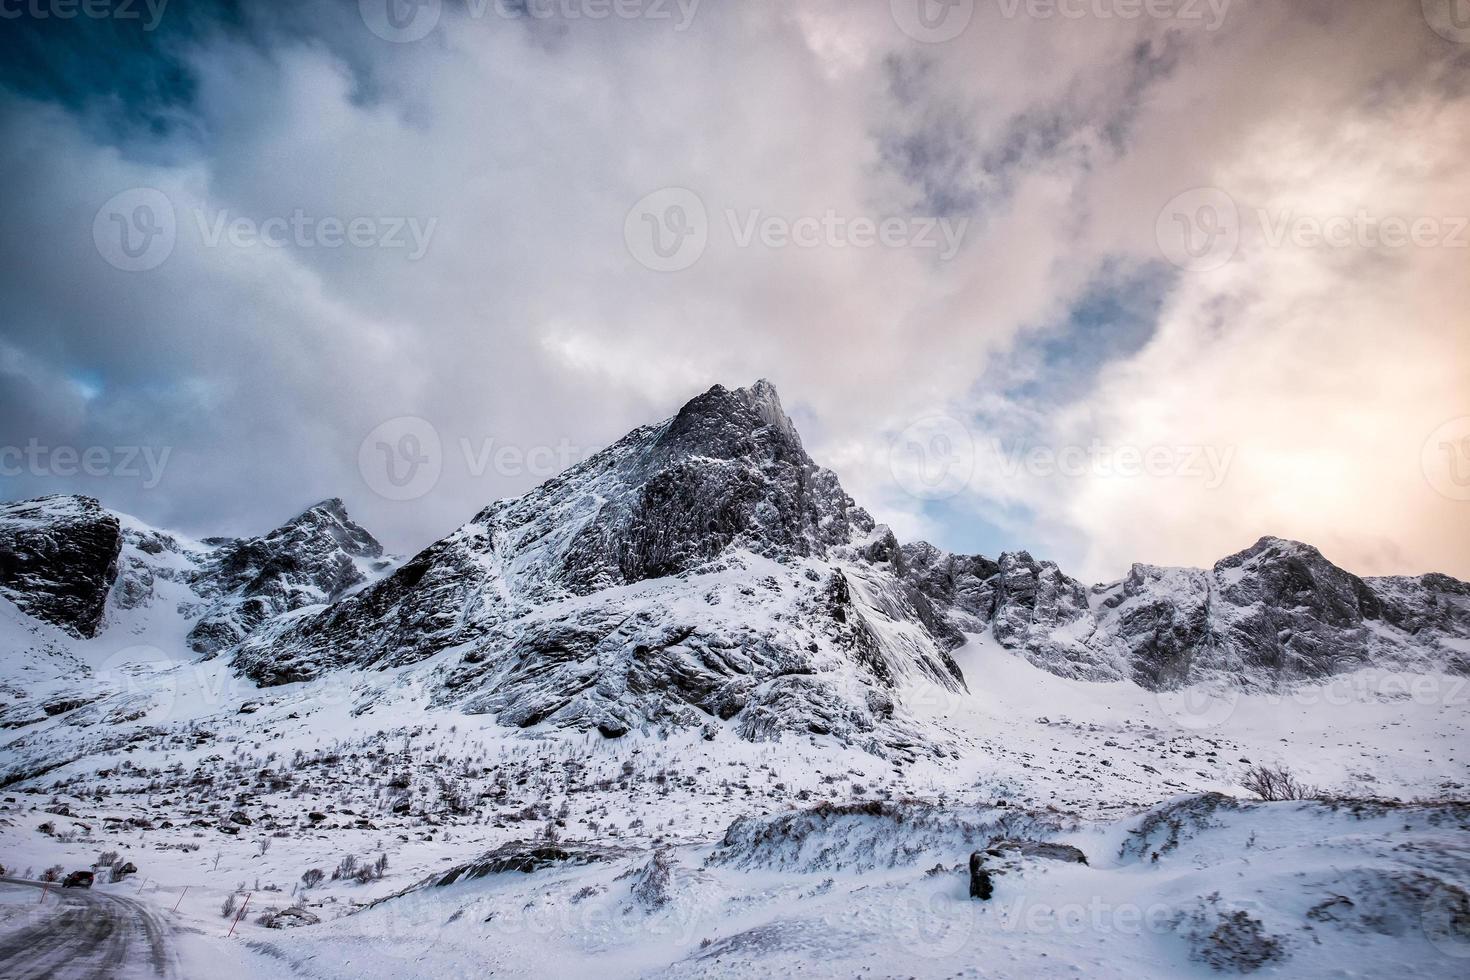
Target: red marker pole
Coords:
[[238, 916], [140, 887], [181, 898], [45, 887]]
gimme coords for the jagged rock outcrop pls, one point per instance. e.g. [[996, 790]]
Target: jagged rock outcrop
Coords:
[[58, 559], [313, 559], [68, 561], [1275, 614]]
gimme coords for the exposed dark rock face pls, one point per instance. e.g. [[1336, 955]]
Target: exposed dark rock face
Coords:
[[58, 559], [962, 584], [1428, 608], [311, 560]]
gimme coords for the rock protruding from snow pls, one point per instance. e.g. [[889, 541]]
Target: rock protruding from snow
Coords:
[[58, 559]]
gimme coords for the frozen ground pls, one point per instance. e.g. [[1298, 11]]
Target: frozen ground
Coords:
[[687, 856]]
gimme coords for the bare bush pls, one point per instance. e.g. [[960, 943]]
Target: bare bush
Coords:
[[346, 868], [313, 877], [1277, 783], [52, 873]]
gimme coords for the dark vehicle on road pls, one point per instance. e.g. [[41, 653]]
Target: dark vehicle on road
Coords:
[[79, 879]]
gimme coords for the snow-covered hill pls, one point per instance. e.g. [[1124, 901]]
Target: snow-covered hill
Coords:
[[687, 710]]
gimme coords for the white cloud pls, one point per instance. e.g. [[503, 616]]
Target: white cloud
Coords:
[[528, 320]]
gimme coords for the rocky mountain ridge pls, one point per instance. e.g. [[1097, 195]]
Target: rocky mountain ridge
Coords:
[[1272, 615], [705, 572]]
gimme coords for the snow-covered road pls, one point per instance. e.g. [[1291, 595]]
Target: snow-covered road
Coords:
[[76, 932]]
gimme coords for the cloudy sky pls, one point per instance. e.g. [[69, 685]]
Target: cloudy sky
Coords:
[[1109, 280]]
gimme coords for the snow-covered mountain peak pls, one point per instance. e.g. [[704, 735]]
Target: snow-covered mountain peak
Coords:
[[726, 423]]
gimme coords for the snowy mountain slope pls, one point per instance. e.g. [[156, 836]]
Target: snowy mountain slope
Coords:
[[780, 853], [68, 561], [701, 573], [121, 664], [686, 711]]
